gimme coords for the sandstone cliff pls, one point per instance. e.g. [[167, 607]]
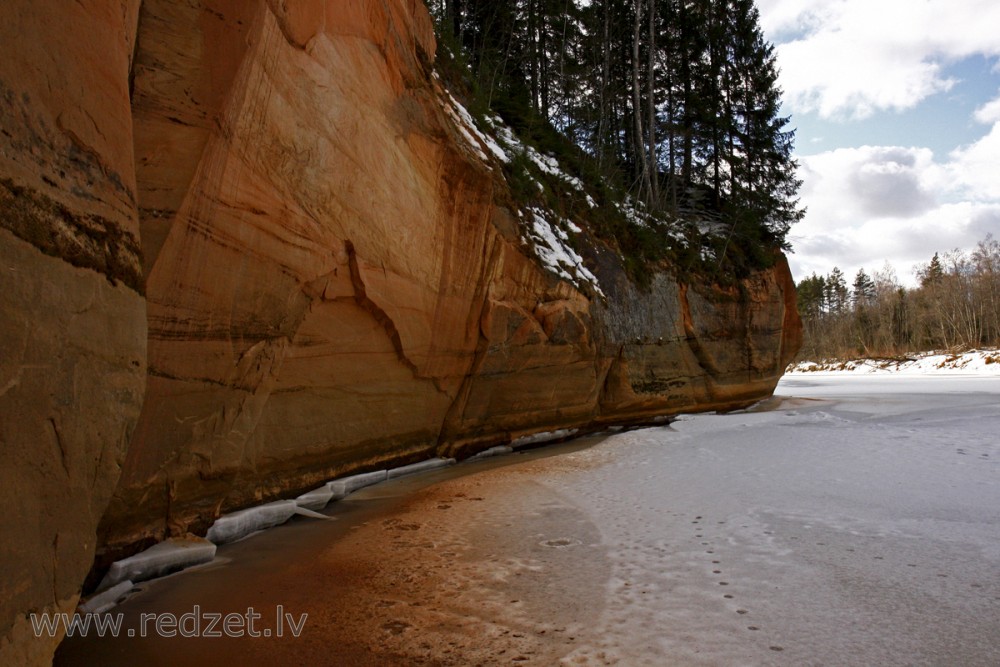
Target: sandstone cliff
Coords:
[[331, 282], [72, 316]]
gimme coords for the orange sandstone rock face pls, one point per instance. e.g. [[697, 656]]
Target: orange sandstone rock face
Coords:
[[330, 282], [72, 316], [332, 286], [316, 251]]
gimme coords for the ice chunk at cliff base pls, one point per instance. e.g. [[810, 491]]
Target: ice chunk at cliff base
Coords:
[[235, 526], [499, 450], [429, 464], [539, 438], [316, 499], [106, 600], [160, 559], [347, 485], [231, 527]]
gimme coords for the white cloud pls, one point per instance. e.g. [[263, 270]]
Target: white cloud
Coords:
[[888, 183], [875, 204], [989, 112], [975, 169], [851, 58]]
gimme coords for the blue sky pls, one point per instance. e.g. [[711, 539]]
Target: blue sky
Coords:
[[897, 110]]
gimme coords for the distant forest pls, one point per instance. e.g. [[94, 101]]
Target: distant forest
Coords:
[[673, 102], [956, 306]]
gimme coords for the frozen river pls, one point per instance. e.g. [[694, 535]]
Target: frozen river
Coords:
[[848, 521], [861, 528]]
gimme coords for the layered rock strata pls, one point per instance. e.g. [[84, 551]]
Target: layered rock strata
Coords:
[[72, 314]]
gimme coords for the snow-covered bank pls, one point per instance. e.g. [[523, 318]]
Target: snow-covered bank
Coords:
[[974, 362]]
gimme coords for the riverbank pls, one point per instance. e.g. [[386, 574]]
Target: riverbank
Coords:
[[984, 362], [854, 524]]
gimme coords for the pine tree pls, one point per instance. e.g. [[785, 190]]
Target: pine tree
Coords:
[[677, 100], [933, 273], [764, 182], [863, 292], [835, 292], [810, 293]]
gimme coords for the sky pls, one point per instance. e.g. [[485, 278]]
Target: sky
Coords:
[[896, 106]]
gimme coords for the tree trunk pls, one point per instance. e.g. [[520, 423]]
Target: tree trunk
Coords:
[[639, 152], [654, 166], [605, 114]]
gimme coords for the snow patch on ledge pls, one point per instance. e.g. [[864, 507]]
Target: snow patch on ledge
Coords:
[[546, 163], [550, 239], [551, 247], [466, 125]]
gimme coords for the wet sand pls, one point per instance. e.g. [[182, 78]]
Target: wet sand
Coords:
[[478, 564]]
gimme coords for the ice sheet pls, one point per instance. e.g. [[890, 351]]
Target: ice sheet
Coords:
[[853, 520], [235, 526], [347, 485], [540, 438], [160, 559], [316, 499], [858, 526], [421, 466], [106, 599]]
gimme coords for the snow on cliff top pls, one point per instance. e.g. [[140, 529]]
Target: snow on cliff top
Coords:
[[552, 247], [975, 362], [547, 231]]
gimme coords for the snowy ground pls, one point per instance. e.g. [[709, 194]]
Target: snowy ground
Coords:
[[852, 520], [973, 362], [861, 528]]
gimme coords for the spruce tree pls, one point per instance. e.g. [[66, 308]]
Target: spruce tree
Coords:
[[863, 290], [677, 100], [765, 185], [836, 292], [810, 293], [933, 274]]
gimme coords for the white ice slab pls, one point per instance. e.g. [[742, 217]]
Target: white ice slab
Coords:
[[160, 559], [231, 527], [347, 485], [492, 451], [547, 436], [316, 499], [422, 466], [106, 600], [302, 511]]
